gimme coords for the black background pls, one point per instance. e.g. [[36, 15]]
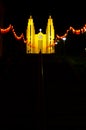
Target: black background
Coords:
[[64, 14], [57, 100]]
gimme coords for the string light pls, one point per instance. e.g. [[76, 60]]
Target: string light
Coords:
[[21, 37], [3, 31]]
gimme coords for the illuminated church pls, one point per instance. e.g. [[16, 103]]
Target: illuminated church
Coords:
[[40, 42]]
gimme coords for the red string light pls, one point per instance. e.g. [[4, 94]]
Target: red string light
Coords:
[[21, 37], [3, 31]]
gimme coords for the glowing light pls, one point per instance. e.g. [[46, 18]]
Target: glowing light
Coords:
[[77, 32], [40, 30], [56, 43], [64, 38], [3, 31]]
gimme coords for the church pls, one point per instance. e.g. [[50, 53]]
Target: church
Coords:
[[40, 42]]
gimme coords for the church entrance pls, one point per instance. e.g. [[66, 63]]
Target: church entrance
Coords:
[[40, 45], [40, 42]]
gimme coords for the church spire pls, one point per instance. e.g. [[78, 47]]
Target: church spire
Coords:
[[30, 16], [49, 16]]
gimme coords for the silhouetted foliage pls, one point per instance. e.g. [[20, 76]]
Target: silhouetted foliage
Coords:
[[75, 44]]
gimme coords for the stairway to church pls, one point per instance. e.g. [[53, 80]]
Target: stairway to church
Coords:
[[41, 92]]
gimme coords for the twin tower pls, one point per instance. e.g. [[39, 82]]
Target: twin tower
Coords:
[[40, 42]]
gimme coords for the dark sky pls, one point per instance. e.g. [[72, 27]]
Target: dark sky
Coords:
[[64, 14]]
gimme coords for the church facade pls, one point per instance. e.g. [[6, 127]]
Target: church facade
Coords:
[[40, 42]]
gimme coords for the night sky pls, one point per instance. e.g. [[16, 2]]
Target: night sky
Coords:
[[64, 14]]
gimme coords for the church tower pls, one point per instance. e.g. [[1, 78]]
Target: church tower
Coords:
[[40, 41], [50, 35], [30, 33]]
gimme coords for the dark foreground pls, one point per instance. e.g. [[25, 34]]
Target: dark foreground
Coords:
[[43, 92]]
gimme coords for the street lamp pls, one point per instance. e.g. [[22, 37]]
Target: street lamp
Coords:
[[64, 39]]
